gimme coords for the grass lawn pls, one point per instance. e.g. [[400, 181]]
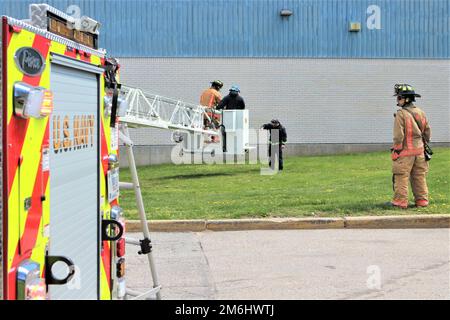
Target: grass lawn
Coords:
[[356, 184]]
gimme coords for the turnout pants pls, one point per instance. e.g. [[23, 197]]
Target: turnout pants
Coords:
[[406, 169]]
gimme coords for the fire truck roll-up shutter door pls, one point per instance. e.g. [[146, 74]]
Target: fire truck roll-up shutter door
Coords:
[[74, 176]]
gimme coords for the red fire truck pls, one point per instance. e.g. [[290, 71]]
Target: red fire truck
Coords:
[[61, 225]]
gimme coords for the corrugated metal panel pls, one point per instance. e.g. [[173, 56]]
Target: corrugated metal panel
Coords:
[[254, 28]]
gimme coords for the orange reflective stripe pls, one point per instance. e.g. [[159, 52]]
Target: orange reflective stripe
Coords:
[[409, 138], [420, 119], [424, 124], [411, 152]]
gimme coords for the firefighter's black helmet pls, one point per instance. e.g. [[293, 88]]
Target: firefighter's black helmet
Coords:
[[217, 84], [405, 90], [275, 122]]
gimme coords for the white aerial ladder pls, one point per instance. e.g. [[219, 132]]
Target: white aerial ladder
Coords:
[[187, 120], [149, 110]]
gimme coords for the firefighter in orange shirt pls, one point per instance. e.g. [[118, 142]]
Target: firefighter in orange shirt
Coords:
[[210, 98], [411, 129]]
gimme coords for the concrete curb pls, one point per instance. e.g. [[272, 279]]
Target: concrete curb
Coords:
[[275, 224], [168, 225], [398, 222], [369, 222]]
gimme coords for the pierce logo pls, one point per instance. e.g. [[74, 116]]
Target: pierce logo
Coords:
[[29, 61]]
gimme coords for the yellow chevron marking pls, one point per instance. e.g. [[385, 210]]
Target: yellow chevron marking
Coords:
[[18, 40], [105, 294], [57, 48], [38, 254], [23, 184]]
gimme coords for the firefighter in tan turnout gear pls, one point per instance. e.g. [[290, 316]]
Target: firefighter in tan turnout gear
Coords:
[[411, 133]]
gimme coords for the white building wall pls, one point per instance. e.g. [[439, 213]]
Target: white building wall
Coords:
[[318, 100]]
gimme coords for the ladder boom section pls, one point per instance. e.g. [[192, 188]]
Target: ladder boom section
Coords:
[[150, 110]]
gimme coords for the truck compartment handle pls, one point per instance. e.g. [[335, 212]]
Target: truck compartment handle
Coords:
[[106, 236], [50, 261]]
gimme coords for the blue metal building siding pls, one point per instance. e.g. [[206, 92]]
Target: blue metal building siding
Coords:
[[254, 28]]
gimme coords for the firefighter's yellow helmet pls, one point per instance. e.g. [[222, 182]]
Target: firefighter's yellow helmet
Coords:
[[405, 90]]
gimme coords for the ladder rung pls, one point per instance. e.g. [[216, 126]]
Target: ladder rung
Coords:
[[126, 185], [132, 241], [140, 295]]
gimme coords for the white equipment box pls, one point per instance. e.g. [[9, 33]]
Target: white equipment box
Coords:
[[236, 123]]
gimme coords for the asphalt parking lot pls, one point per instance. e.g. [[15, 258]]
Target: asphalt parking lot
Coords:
[[297, 264]]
